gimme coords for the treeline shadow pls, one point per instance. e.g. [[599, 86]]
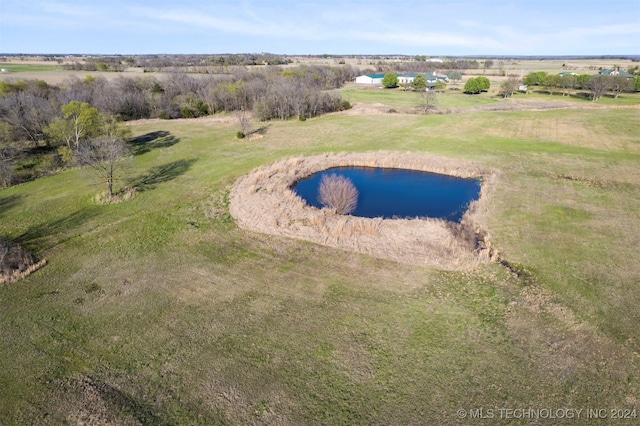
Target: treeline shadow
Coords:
[[8, 202], [161, 174], [152, 140], [35, 238], [125, 403]]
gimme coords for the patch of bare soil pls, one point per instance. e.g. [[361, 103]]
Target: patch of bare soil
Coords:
[[367, 109], [263, 201]]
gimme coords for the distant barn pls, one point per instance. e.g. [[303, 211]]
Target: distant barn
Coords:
[[370, 79], [407, 78]]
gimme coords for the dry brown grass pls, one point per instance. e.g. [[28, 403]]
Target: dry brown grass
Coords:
[[262, 201], [16, 263]]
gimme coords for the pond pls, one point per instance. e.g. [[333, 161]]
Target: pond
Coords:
[[399, 193]]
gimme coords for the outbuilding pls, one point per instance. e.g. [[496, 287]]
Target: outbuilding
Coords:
[[371, 79]]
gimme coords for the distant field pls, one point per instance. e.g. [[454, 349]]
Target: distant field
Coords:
[[57, 75], [400, 98], [19, 68]]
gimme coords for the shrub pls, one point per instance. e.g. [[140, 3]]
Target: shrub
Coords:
[[338, 193], [472, 86], [186, 112], [240, 135], [483, 83], [66, 154], [14, 261]]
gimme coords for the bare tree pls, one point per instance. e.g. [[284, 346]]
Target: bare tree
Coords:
[[568, 82], [338, 192], [428, 100], [104, 155], [6, 173], [620, 84], [27, 113], [245, 122], [6, 155], [509, 86], [598, 84], [487, 64]]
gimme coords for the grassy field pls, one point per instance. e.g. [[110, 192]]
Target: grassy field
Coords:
[[398, 98], [159, 310], [20, 67]]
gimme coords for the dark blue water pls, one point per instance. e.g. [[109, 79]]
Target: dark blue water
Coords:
[[399, 193]]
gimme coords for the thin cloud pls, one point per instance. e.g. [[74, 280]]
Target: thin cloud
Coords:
[[409, 26], [209, 22], [429, 39], [621, 30], [73, 10]]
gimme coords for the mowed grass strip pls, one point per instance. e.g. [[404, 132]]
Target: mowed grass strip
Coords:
[[11, 68], [160, 310]]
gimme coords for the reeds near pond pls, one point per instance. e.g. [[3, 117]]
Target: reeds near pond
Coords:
[[263, 201]]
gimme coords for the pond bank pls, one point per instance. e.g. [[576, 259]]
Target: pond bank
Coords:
[[262, 201]]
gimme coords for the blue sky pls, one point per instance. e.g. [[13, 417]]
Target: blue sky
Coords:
[[445, 27]]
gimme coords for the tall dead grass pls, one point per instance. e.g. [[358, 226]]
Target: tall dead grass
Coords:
[[16, 263], [263, 201]]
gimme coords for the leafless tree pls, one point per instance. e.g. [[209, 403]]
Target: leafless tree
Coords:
[[428, 100], [245, 122], [103, 155], [509, 86], [568, 82], [6, 173], [487, 64], [598, 84], [76, 89], [27, 113], [338, 192], [620, 84]]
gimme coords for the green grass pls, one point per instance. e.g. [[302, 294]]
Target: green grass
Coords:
[[398, 98], [29, 67], [584, 97], [159, 310]]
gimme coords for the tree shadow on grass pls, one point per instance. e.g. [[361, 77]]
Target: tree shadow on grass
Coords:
[[152, 140], [161, 174], [260, 130], [8, 202], [46, 235], [123, 402]]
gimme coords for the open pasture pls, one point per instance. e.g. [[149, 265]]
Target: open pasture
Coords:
[[160, 310]]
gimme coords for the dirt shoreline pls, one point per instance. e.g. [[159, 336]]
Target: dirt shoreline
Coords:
[[262, 201]]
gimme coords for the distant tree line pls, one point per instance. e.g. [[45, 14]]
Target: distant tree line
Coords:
[[424, 66], [162, 63], [59, 118]]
